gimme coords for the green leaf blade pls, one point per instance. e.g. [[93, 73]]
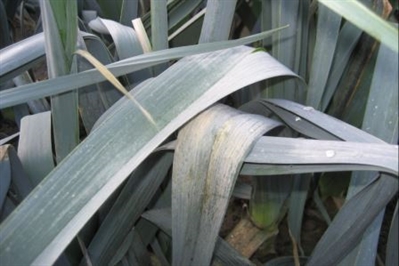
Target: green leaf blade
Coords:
[[83, 181], [358, 14]]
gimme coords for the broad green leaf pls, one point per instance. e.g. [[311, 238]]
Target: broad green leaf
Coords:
[[352, 220], [7, 208], [21, 183], [63, 84], [126, 43], [328, 25], [380, 119], [265, 17], [84, 180], [14, 177], [299, 117], [122, 251], [218, 13], [205, 167], [367, 20], [61, 44], [36, 106], [350, 98], [91, 106], [347, 40], [97, 48], [159, 29], [151, 234], [331, 125], [113, 109], [129, 11], [276, 152], [60, 34], [20, 56], [257, 169], [63, 13], [114, 81], [87, 16], [365, 251], [285, 12], [34, 147], [269, 195], [392, 244], [381, 116], [148, 230], [159, 25], [189, 184], [304, 21], [66, 122], [377, 122], [241, 190], [137, 192], [20, 111], [296, 208]]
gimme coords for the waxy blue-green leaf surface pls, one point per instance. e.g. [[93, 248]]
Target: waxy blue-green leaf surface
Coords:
[[88, 176]]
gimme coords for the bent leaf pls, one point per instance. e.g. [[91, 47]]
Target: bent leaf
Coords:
[[89, 175], [42, 89]]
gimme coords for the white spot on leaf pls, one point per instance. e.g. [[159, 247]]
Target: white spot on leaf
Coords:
[[330, 153]]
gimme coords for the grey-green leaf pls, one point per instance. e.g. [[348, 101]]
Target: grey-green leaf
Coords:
[[14, 62], [326, 40], [137, 192], [42, 89], [89, 175], [319, 153], [34, 148], [392, 244], [203, 182], [218, 13]]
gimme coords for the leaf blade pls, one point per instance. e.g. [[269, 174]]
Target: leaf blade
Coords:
[[98, 176]]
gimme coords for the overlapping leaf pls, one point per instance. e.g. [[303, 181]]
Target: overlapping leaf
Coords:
[[34, 149], [206, 166], [223, 251], [84, 180], [42, 89]]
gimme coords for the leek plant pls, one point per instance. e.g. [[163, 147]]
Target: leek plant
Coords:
[[131, 146]]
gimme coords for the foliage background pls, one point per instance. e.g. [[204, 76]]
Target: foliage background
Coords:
[[89, 200]]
